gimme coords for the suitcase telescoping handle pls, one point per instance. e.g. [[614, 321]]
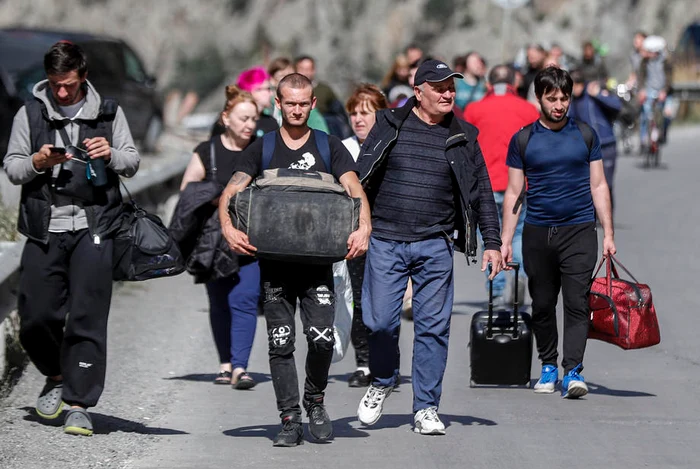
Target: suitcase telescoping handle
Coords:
[[489, 324]]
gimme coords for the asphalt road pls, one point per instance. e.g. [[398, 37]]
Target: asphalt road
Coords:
[[160, 410]]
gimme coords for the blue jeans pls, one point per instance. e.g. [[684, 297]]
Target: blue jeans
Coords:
[[499, 283], [233, 314], [650, 105], [429, 264]]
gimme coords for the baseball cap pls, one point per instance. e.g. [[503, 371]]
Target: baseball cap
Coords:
[[434, 71]]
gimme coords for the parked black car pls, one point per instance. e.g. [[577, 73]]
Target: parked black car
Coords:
[[9, 105], [114, 69]]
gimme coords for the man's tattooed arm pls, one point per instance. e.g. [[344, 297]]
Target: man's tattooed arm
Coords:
[[237, 183]]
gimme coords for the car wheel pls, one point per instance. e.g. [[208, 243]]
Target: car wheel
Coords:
[[150, 139]]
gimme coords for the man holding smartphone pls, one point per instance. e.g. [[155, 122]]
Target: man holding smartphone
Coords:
[[67, 260]]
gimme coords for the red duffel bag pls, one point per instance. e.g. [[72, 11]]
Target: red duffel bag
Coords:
[[622, 311]]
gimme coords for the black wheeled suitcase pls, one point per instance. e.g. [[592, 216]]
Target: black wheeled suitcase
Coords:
[[500, 344]]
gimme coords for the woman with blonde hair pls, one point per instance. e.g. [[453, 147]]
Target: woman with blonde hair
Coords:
[[233, 299], [396, 81]]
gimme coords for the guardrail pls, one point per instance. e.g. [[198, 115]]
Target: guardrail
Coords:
[[687, 91]]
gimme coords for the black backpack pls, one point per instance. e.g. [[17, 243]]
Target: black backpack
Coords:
[[523, 137]]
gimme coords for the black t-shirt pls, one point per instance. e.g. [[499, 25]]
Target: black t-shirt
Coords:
[[307, 157], [225, 159]]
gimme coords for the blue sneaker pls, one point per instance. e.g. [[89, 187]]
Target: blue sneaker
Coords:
[[548, 380], [573, 386]]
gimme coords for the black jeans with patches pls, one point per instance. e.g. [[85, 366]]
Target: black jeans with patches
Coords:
[[283, 283]]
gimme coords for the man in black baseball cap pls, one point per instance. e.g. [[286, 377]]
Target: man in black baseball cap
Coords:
[[423, 209], [434, 71]]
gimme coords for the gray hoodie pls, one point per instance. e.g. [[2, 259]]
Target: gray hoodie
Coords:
[[67, 214]]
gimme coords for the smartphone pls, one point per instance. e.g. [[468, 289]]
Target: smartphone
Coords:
[[60, 150]]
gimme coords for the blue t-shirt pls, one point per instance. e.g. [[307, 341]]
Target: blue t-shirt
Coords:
[[558, 175]]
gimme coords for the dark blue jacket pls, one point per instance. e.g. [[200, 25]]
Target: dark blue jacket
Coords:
[[597, 111], [474, 201]]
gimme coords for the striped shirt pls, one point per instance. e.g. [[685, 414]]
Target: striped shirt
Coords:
[[415, 200]]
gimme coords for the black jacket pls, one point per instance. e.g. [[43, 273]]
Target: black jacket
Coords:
[[195, 227], [474, 200]]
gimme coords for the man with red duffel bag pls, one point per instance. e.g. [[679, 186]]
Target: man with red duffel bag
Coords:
[[566, 187]]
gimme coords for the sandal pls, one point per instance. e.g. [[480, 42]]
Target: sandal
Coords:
[[78, 422], [244, 381], [224, 377], [49, 404]]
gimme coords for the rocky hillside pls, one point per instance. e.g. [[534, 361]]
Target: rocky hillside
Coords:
[[197, 44]]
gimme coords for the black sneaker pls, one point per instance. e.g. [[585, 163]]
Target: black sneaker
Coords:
[[292, 433], [359, 379], [320, 425]]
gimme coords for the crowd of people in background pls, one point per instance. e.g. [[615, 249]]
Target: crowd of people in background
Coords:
[[420, 104]]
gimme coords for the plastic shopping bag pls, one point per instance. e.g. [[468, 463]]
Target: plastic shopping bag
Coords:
[[342, 325]]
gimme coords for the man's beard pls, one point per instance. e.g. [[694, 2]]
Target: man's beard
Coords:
[[553, 119]]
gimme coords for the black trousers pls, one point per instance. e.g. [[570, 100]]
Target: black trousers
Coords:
[[283, 283], [65, 292], [359, 334], [560, 258]]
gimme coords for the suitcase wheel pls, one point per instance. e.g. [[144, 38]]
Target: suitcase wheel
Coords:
[[471, 383], [528, 384]]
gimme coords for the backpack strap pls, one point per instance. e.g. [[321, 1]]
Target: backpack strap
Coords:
[[268, 148], [323, 148], [523, 138], [586, 132], [212, 160]]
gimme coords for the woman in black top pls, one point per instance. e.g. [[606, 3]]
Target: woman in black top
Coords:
[[233, 300]]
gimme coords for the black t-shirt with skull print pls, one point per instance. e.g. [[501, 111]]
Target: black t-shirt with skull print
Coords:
[[307, 157]]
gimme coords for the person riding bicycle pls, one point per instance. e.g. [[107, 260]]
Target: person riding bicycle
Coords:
[[654, 84]]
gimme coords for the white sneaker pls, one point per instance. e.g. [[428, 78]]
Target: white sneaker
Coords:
[[371, 405], [427, 422]]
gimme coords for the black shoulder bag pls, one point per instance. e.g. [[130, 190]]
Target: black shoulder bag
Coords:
[[143, 247]]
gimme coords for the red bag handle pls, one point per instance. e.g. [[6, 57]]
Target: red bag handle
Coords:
[[614, 259], [611, 270]]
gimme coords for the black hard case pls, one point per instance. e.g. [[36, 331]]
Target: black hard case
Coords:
[[500, 344]]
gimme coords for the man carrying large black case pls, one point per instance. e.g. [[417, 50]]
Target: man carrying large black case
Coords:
[[500, 343], [283, 283]]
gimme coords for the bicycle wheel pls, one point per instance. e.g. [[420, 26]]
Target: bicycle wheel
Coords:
[[656, 156]]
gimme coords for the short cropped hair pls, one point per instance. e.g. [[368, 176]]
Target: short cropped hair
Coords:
[[301, 58], [296, 81], [502, 74], [65, 57], [280, 63], [552, 79]]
